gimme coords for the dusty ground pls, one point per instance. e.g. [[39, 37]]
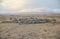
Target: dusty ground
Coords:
[[29, 31]]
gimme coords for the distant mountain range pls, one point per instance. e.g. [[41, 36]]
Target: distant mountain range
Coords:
[[30, 13]]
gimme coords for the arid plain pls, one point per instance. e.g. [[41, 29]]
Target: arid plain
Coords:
[[13, 30]]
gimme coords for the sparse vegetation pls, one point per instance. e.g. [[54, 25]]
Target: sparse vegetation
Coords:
[[30, 21]]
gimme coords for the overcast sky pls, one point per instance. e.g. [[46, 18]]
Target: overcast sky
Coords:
[[18, 6]]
